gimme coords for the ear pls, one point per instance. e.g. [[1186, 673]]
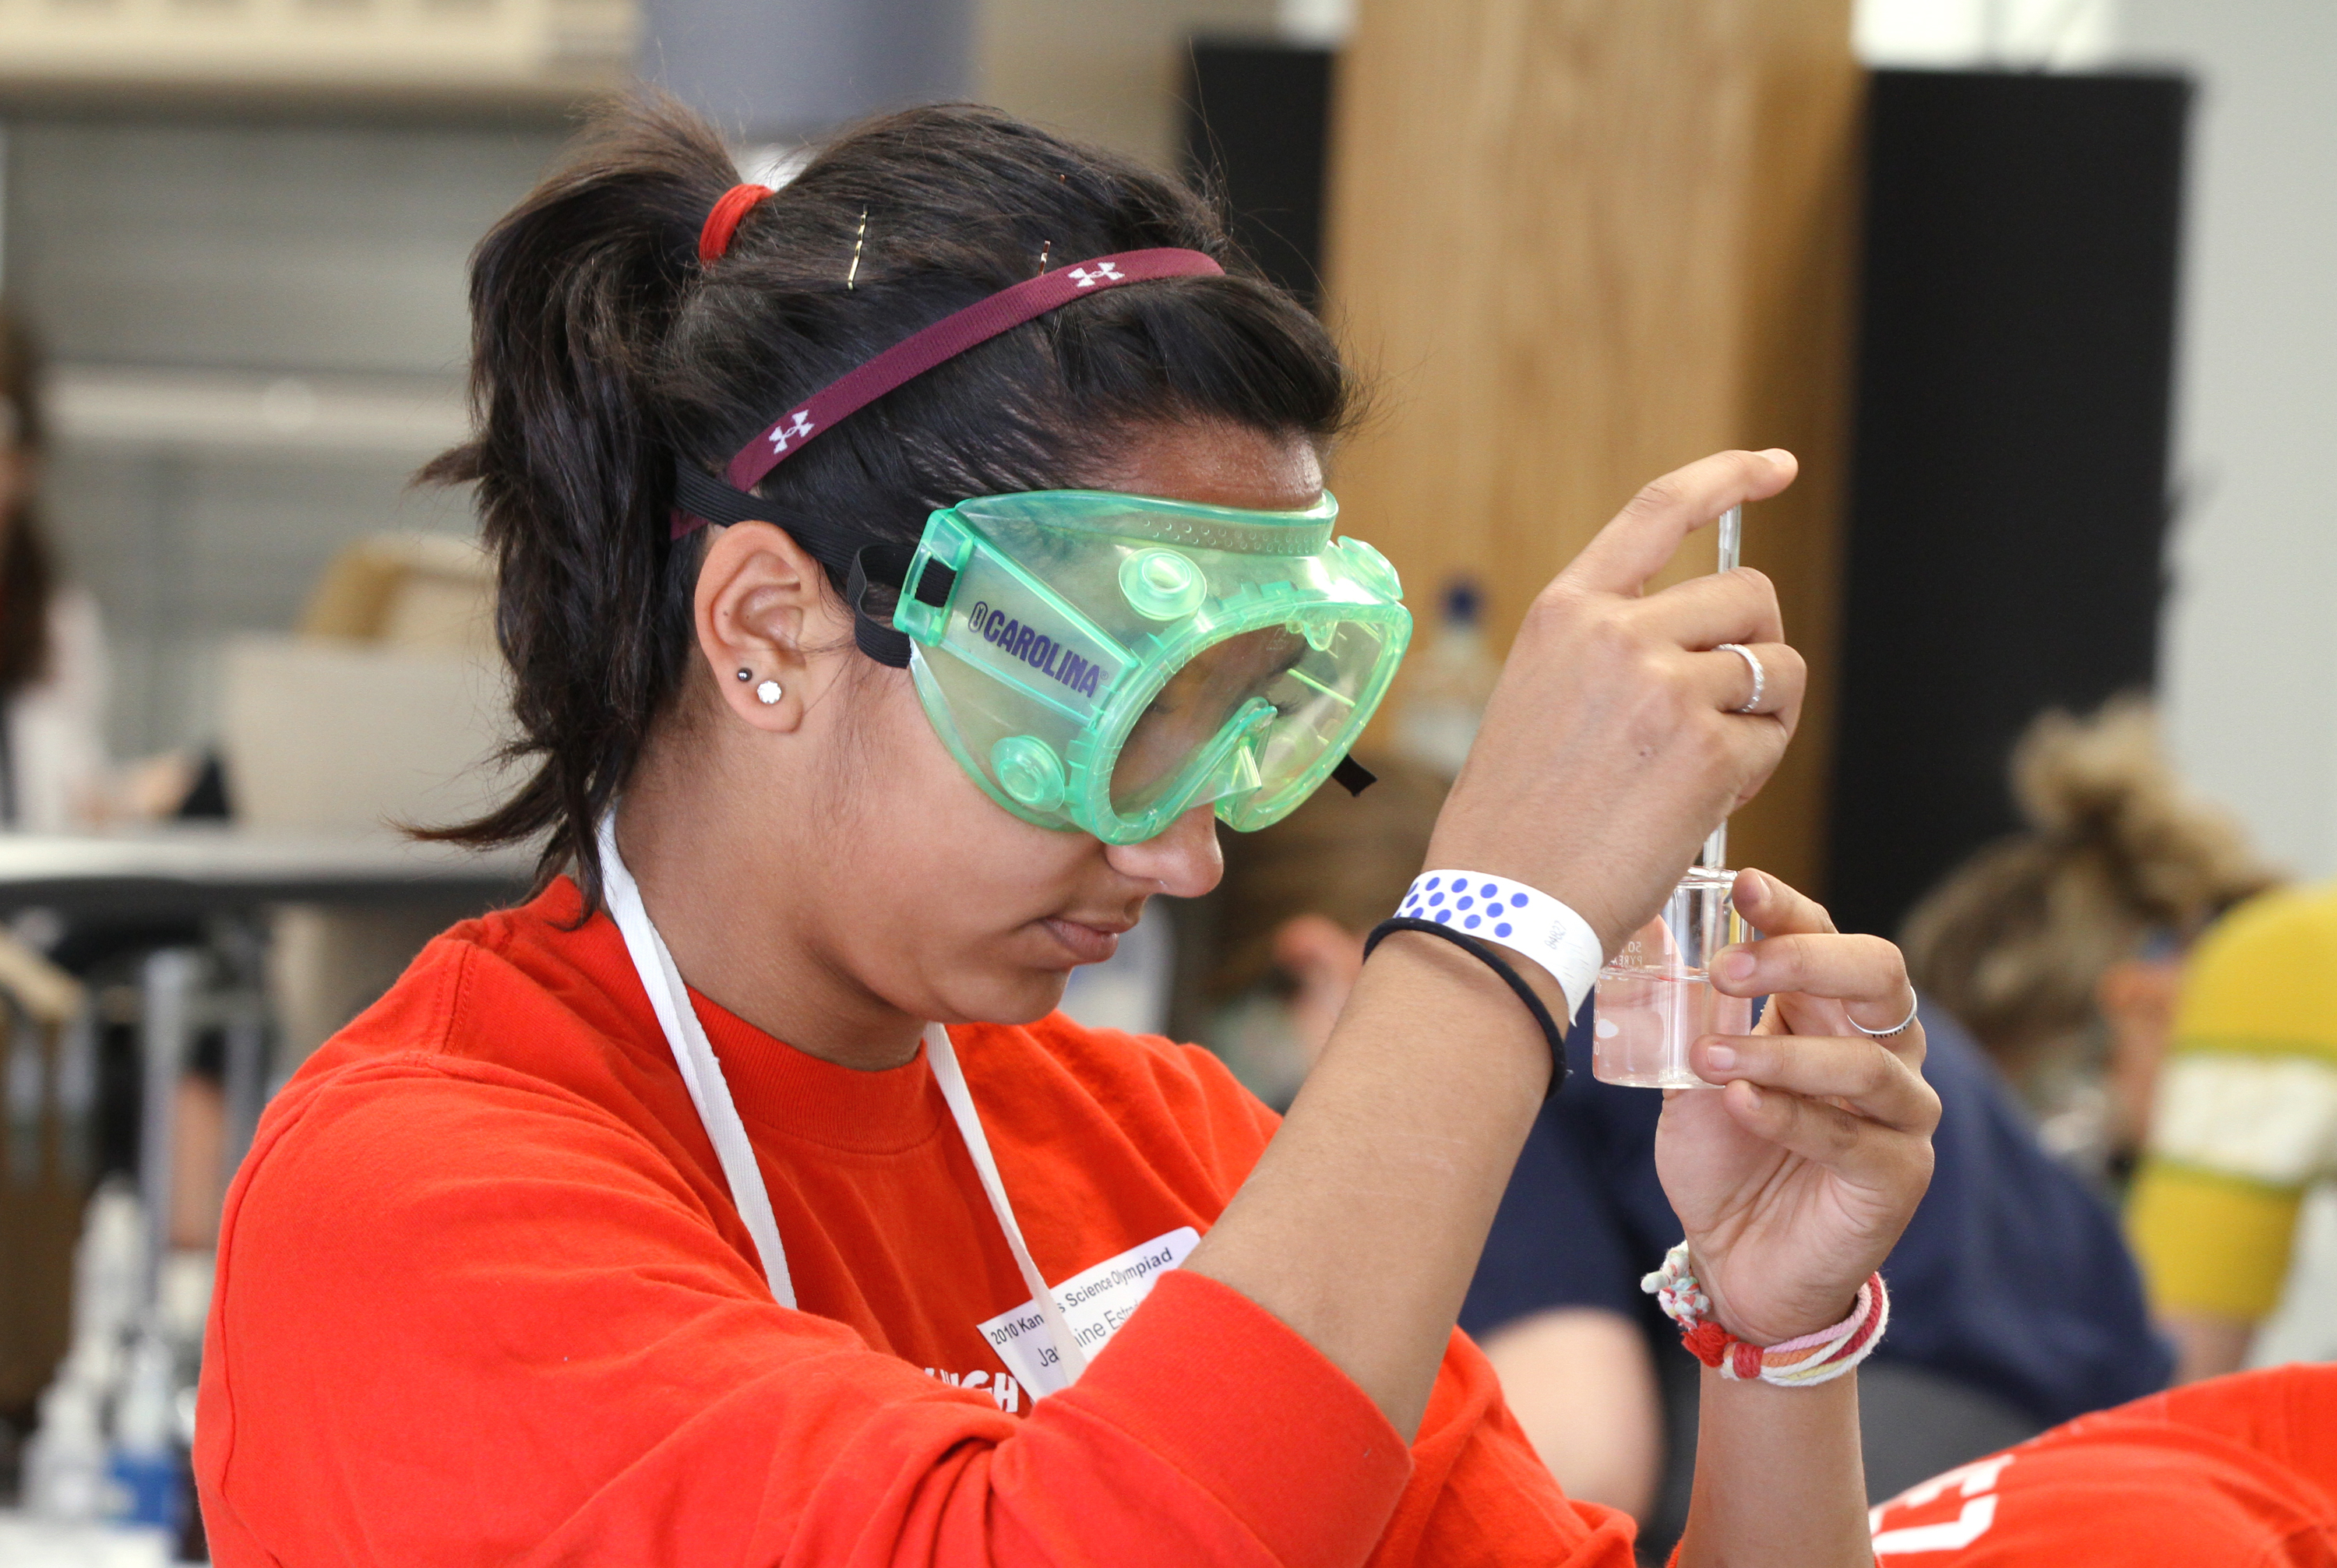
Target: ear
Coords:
[[764, 606]]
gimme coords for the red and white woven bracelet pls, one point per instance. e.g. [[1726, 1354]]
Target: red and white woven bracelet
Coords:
[[1812, 1358]]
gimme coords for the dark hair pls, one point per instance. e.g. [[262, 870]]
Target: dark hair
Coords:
[[27, 576], [604, 352]]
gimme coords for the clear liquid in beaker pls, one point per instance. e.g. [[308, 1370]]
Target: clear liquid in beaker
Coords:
[[1655, 998], [1646, 1021]]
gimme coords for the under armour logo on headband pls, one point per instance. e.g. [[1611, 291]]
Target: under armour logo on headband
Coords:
[[922, 351], [793, 427]]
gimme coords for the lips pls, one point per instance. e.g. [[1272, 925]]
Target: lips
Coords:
[[1086, 942]]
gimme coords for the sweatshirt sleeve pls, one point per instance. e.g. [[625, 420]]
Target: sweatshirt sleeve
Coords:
[[531, 1347], [1479, 1495]]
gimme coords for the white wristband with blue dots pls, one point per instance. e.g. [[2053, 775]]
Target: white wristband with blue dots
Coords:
[[1523, 920]]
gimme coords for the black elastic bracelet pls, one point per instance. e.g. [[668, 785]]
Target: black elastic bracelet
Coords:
[[1500, 965]]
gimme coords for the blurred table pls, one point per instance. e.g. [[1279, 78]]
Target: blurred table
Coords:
[[174, 872]]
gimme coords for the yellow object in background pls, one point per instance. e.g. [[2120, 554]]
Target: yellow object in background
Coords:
[[2246, 1114]]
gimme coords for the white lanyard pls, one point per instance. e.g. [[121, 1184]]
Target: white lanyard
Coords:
[[693, 1053]]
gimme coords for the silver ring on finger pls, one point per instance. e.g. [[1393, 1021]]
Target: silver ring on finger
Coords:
[[1899, 1028], [1760, 676]]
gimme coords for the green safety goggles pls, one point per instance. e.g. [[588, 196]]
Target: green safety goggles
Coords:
[[1106, 662]]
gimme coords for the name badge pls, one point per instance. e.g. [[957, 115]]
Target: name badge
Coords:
[[1094, 1305]]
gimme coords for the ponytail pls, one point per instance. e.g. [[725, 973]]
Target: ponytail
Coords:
[[571, 296]]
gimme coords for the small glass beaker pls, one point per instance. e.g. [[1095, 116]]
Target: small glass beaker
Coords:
[[1654, 997]]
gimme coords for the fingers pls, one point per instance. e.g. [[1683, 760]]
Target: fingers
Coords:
[[1862, 1152], [1851, 969], [1635, 547], [1857, 1074], [1820, 979], [1776, 908], [1866, 976], [1739, 606]]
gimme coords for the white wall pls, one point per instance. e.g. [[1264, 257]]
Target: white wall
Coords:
[[2249, 659], [1945, 34], [1109, 70]]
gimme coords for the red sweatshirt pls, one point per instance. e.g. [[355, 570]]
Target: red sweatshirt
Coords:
[[482, 1298]]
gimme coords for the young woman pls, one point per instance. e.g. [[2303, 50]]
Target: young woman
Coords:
[[53, 676], [693, 1212]]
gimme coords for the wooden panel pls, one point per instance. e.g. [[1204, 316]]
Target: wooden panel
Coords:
[[1110, 69], [1580, 243]]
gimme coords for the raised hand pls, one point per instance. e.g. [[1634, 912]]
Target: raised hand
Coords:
[[1612, 743], [1795, 1177]]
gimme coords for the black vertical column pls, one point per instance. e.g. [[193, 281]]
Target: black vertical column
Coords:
[[1257, 125], [2009, 484]]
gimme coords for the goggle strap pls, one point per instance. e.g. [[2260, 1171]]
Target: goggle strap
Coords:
[[888, 566], [880, 640], [707, 499], [1353, 776]]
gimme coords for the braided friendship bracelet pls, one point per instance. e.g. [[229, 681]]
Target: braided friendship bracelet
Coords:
[[1801, 1363]]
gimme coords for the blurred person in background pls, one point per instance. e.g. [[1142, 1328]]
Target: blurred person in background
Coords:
[[53, 670], [2246, 1125], [54, 776], [1287, 923], [2062, 947], [1987, 1343]]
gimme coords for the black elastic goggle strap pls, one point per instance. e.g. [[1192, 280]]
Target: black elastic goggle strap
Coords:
[[703, 495], [1353, 776], [699, 494], [888, 566], [875, 565]]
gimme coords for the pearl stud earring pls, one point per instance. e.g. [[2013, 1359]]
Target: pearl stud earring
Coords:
[[768, 693], [745, 674]]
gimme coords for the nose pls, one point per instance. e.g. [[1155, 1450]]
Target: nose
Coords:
[[1184, 862]]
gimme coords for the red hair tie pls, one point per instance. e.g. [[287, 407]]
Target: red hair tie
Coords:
[[723, 221]]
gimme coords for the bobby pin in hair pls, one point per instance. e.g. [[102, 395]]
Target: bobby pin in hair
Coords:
[[861, 235]]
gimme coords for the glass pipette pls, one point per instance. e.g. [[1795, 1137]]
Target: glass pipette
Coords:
[[1732, 538]]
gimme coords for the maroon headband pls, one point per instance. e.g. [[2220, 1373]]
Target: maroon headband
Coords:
[[951, 335]]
